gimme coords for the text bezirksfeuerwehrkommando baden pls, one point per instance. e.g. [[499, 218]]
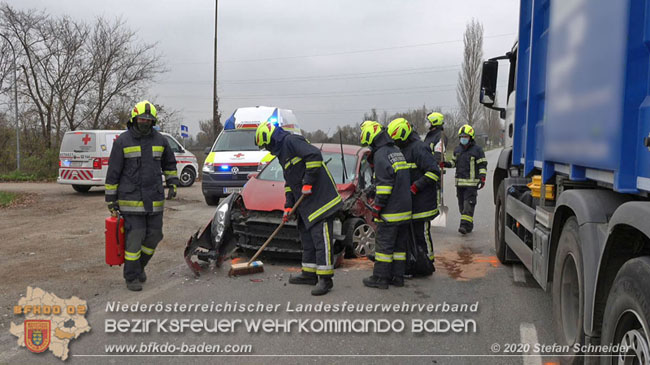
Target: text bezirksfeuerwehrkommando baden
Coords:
[[289, 307]]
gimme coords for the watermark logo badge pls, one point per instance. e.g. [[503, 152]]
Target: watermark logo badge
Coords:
[[37, 334]]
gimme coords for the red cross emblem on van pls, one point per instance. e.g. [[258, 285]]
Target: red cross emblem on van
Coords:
[[86, 139], [239, 155]]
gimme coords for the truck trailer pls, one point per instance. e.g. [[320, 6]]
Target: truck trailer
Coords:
[[571, 186]]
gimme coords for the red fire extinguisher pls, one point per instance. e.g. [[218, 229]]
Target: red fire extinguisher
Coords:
[[115, 240]]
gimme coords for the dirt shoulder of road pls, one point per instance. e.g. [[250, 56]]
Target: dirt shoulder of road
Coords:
[[54, 240]]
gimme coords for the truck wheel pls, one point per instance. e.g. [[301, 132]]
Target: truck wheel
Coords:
[[81, 188], [500, 245], [359, 238], [568, 285], [627, 313], [187, 177], [211, 200]]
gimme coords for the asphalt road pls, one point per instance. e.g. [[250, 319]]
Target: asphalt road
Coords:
[[510, 308]]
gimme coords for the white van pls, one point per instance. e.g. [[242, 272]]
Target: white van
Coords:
[[83, 159], [234, 154]]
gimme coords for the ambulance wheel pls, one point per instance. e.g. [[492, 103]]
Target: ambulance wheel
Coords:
[[187, 177], [81, 188]]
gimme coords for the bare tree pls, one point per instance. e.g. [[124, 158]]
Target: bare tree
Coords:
[[206, 135], [469, 81]]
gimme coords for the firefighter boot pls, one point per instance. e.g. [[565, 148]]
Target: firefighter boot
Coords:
[[376, 282], [304, 278], [325, 284], [397, 281], [134, 285], [143, 276]]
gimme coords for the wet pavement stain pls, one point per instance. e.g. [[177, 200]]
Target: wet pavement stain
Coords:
[[465, 264]]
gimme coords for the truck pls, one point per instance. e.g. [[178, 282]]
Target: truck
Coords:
[[571, 186]]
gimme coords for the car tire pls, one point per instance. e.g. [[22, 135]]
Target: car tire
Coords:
[[358, 232], [211, 200], [81, 188], [187, 178], [568, 291], [627, 312], [500, 245]]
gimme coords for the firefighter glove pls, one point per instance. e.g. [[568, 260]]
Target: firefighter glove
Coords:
[[481, 183], [286, 216], [445, 164], [375, 211], [414, 189], [171, 194], [306, 190], [113, 207]]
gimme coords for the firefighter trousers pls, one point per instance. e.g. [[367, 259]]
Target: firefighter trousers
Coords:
[[422, 234], [466, 203], [143, 233], [317, 247], [390, 250]]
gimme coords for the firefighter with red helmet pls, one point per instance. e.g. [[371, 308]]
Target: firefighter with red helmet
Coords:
[[134, 188], [306, 174]]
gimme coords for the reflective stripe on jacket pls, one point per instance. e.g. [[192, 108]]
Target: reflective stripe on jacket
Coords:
[[425, 174], [391, 175], [470, 164]]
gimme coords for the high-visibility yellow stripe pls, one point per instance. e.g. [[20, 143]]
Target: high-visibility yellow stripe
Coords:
[[429, 213], [157, 148], [324, 208], [431, 175], [287, 189], [412, 165], [286, 165], [131, 256], [383, 257], [314, 164], [397, 217], [482, 171], [111, 186], [295, 160], [400, 165], [468, 218], [481, 160], [328, 248], [472, 166], [130, 203], [170, 173], [384, 189], [308, 267], [147, 250], [131, 149], [325, 272], [399, 256]]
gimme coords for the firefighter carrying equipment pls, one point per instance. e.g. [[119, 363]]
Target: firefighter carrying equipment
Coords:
[[392, 181], [435, 119]]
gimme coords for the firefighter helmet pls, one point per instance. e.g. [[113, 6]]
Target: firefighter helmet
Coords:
[[435, 119], [466, 130], [263, 134], [145, 110], [369, 132], [367, 122], [399, 129]]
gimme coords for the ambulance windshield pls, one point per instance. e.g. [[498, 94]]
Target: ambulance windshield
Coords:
[[236, 140]]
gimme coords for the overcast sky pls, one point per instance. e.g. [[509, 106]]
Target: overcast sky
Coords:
[[329, 61]]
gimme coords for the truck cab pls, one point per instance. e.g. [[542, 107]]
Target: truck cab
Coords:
[[571, 190], [234, 155]]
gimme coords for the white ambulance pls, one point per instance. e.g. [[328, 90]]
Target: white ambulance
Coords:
[[234, 154], [83, 159]]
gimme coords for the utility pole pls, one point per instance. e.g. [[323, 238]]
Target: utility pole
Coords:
[[216, 123], [13, 51]]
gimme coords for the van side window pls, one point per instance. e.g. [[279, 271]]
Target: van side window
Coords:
[[176, 148]]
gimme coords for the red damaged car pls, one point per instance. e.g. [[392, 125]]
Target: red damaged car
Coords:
[[245, 220]]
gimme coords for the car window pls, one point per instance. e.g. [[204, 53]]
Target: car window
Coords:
[[176, 148], [236, 140], [79, 142], [273, 171]]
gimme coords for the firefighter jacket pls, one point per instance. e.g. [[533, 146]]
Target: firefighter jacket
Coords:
[[436, 141], [425, 174], [135, 169], [391, 175], [302, 164], [470, 164]]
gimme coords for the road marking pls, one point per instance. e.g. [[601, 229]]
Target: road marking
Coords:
[[519, 273], [529, 335]]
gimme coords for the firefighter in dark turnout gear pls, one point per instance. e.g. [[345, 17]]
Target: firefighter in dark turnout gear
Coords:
[[139, 158], [471, 168], [424, 177], [391, 207], [437, 143], [306, 174]]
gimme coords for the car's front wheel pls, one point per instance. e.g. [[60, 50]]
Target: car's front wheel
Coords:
[[187, 177], [359, 238]]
